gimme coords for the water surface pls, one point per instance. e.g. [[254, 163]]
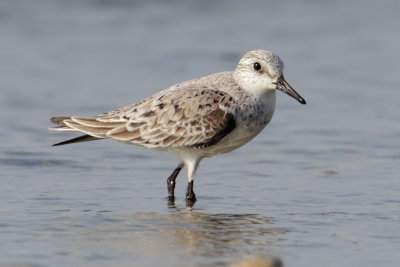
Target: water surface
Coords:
[[318, 187]]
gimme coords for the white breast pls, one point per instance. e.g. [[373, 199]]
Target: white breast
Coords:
[[250, 122], [252, 115]]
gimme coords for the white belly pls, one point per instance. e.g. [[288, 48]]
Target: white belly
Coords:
[[235, 139]]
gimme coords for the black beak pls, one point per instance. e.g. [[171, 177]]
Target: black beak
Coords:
[[283, 86]]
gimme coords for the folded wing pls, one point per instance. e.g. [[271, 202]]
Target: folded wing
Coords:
[[187, 117]]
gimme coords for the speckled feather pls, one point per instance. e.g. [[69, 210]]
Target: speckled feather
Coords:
[[185, 116]]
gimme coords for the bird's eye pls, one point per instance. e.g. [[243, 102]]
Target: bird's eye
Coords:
[[257, 66]]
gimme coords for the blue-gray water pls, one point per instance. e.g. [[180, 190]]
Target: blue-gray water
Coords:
[[318, 187]]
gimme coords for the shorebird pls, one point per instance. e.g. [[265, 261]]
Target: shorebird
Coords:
[[195, 119]]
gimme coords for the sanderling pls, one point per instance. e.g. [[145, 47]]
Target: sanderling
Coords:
[[194, 119]]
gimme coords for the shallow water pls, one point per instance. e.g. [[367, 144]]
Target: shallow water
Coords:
[[319, 187]]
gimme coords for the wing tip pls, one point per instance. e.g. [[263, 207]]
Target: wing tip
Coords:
[[59, 120], [82, 138]]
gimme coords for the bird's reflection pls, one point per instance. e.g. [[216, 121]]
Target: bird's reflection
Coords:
[[217, 234], [214, 235], [212, 238]]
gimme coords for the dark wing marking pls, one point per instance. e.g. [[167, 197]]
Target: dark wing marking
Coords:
[[230, 125], [83, 138]]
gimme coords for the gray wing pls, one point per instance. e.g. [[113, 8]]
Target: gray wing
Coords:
[[192, 116]]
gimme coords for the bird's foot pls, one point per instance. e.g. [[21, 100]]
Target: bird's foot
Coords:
[[171, 203], [190, 195], [190, 200]]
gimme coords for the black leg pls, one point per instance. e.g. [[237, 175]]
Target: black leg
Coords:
[[190, 195], [171, 183]]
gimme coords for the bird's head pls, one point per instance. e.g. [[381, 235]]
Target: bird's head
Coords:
[[261, 72]]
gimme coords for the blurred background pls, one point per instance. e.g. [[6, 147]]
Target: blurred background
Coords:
[[318, 187]]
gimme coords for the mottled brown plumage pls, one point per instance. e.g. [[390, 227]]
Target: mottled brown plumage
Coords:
[[188, 117]]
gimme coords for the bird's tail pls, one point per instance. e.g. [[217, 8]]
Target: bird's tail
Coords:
[[63, 123]]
